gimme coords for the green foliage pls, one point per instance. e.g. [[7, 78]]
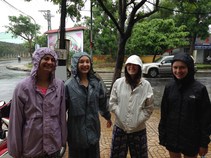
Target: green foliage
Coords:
[[73, 8], [166, 9], [23, 27], [195, 15], [11, 48], [104, 33], [157, 35], [41, 40], [203, 66]]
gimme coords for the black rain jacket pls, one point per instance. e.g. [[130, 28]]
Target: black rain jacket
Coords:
[[185, 111]]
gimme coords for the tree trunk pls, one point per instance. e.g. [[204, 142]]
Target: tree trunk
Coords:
[[155, 53], [192, 45], [30, 45], [119, 63], [112, 59]]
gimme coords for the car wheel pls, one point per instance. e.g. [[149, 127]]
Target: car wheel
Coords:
[[153, 73]]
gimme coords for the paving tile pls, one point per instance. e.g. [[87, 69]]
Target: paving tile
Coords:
[[154, 149]]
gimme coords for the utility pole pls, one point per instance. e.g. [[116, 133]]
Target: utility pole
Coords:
[[47, 15], [91, 41]]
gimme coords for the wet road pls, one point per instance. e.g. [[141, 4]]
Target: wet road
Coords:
[[9, 78], [158, 84]]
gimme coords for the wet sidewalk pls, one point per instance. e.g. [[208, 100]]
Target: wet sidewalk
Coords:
[[154, 149]]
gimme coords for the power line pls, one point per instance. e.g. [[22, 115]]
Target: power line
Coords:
[[26, 15]]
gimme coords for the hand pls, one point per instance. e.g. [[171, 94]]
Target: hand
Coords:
[[203, 151], [109, 123]]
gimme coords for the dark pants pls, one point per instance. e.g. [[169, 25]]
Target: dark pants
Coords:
[[91, 152], [136, 142]]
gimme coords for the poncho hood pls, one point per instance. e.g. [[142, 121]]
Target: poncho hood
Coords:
[[188, 60], [74, 64], [36, 58], [134, 59]]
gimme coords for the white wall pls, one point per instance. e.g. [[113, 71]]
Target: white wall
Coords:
[[200, 56]]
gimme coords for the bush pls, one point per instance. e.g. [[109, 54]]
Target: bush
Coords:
[[203, 66]]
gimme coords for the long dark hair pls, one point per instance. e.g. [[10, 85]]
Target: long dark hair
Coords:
[[133, 82]]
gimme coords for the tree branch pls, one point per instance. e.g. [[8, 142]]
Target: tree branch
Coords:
[[110, 15], [18, 34]]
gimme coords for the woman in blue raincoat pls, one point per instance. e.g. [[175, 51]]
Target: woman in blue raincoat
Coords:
[[85, 96]]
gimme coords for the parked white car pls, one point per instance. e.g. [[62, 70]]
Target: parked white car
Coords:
[[161, 66]]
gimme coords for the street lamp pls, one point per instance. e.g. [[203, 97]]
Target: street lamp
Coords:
[[35, 32]]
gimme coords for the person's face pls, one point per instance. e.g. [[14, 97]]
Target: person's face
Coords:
[[47, 63], [84, 65], [180, 69], [132, 69]]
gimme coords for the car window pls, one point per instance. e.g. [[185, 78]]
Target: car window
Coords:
[[168, 60], [158, 60]]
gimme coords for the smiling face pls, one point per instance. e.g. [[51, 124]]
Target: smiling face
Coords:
[[132, 69], [180, 69], [47, 63], [84, 65]]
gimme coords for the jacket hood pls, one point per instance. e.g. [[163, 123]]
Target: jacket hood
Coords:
[[188, 60], [74, 63], [134, 59], [36, 58]]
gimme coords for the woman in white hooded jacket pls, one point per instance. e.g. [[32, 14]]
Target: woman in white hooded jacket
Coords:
[[132, 102]]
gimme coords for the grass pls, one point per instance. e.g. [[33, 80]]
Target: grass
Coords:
[[30, 66], [104, 64], [199, 66]]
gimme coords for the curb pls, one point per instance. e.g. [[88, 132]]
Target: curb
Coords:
[[24, 68]]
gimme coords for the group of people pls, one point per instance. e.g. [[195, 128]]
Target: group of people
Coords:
[[39, 126]]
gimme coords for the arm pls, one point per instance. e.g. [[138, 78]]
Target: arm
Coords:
[[14, 139], [66, 96], [149, 102], [103, 104], [203, 151], [113, 102], [63, 122], [205, 118]]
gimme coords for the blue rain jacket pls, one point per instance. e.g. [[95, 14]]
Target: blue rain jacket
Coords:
[[83, 104]]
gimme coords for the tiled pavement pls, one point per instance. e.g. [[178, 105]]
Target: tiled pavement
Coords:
[[154, 149]]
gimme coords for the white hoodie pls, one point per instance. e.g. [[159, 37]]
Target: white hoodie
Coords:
[[131, 107]]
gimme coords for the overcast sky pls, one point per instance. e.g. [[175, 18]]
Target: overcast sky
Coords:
[[32, 9]]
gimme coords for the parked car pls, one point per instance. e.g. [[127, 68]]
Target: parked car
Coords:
[[161, 66]]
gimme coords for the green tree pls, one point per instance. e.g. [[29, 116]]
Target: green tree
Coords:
[[11, 48], [104, 33], [129, 13], [41, 41], [23, 27], [196, 16], [157, 36]]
